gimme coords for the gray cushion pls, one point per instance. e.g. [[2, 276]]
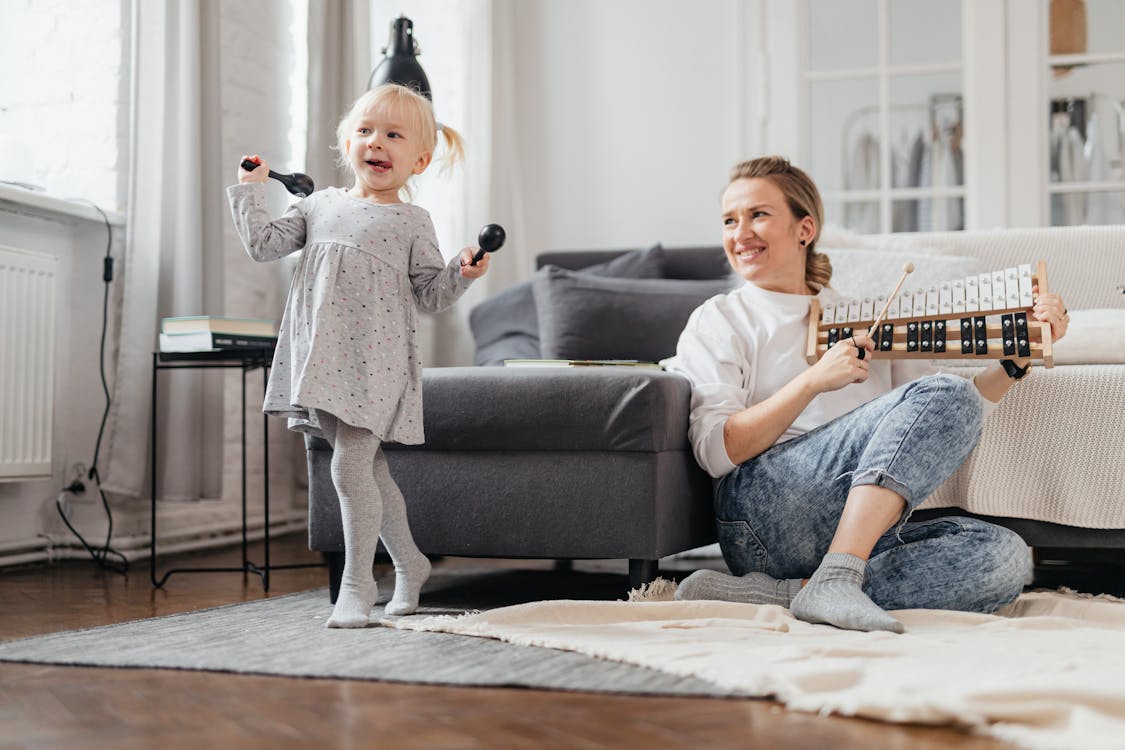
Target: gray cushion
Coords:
[[506, 326], [575, 409], [483, 409], [586, 317]]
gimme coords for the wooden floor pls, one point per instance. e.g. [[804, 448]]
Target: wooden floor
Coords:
[[47, 706]]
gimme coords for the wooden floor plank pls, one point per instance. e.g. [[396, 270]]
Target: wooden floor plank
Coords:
[[46, 706]]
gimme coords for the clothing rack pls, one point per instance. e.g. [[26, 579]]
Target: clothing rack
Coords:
[[935, 122], [1085, 155], [1077, 110], [943, 113], [943, 117]]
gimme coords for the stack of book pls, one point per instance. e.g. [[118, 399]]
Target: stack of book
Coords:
[[204, 333]]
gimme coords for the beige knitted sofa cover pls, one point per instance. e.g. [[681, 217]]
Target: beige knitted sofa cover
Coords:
[[1054, 449]]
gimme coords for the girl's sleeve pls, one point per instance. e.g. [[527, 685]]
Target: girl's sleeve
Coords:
[[264, 239], [436, 284], [716, 370]]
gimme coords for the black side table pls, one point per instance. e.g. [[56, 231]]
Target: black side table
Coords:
[[222, 359]]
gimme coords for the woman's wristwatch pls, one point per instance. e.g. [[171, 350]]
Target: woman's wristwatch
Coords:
[[1015, 372]]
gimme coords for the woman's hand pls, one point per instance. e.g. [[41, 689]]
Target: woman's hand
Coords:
[[1049, 308], [841, 364], [468, 270], [260, 174]]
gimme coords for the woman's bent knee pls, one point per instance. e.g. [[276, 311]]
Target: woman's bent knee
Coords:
[[1005, 569], [957, 396]]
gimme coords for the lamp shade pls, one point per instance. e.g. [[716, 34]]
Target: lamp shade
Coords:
[[400, 60]]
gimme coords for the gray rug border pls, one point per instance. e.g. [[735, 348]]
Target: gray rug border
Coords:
[[157, 618], [643, 681]]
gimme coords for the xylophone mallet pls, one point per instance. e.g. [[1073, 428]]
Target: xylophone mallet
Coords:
[[907, 269]]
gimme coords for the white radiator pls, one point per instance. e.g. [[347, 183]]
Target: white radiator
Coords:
[[27, 362]]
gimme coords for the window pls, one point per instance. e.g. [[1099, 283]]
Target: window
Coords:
[[63, 123], [883, 114]]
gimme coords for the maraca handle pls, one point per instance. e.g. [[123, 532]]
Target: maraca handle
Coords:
[[250, 166]]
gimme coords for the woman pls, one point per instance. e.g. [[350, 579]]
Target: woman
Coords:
[[821, 466]]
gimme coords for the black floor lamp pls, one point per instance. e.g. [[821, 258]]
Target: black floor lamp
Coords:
[[400, 62]]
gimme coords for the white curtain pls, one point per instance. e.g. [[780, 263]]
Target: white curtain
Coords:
[[172, 264], [495, 189], [493, 186], [468, 53], [339, 66]]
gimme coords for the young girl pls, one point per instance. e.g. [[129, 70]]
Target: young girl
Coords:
[[347, 366]]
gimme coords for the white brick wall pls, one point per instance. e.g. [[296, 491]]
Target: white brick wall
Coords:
[[62, 113]]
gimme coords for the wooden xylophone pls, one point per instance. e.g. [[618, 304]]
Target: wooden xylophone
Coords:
[[986, 316]]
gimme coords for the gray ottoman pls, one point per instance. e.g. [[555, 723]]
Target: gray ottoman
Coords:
[[564, 463]]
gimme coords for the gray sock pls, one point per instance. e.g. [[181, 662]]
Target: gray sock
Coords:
[[752, 588], [834, 595]]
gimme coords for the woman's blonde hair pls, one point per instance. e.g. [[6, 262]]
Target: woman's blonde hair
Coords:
[[414, 105], [803, 198]]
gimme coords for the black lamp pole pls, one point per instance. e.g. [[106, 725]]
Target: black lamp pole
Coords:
[[400, 62]]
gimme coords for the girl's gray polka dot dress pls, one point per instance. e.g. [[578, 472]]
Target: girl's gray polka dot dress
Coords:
[[347, 344]]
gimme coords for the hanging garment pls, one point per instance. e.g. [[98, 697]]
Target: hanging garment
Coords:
[[904, 213], [924, 156], [862, 173], [1068, 164], [1102, 207]]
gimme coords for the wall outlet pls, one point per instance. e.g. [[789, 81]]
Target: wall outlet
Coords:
[[78, 487]]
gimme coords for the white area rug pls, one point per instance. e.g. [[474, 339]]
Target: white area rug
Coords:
[[1047, 673]]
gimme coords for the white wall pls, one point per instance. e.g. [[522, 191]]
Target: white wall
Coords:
[[630, 114], [25, 507]]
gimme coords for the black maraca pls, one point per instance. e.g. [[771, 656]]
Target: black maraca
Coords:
[[297, 183], [490, 239]]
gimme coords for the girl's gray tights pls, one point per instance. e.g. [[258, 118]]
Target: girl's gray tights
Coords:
[[371, 506]]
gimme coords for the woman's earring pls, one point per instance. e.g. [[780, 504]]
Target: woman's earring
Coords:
[[802, 243]]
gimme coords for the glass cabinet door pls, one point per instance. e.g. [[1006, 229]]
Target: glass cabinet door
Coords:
[[883, 113], [1086, 111]]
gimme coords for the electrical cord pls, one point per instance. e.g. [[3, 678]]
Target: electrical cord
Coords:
[[99, 556]]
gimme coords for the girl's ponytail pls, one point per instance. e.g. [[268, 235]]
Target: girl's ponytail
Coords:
[[454, 145]]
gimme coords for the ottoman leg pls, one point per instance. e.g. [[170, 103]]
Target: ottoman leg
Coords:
[[642, 572]]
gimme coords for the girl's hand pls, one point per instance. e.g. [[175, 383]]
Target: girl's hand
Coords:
[[1049, 308], [841, 364], [468, 270], [260, 174]]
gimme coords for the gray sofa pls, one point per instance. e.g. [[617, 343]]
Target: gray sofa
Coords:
[[557, 463]]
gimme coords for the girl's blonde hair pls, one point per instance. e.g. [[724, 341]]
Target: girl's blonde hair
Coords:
[[803, 198], [407, 101]]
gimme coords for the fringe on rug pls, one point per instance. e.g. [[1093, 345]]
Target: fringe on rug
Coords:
[[660, 590], [1080, 595]]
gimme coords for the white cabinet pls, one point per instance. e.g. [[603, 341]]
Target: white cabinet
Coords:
[[918, 115], [1067, 81]]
